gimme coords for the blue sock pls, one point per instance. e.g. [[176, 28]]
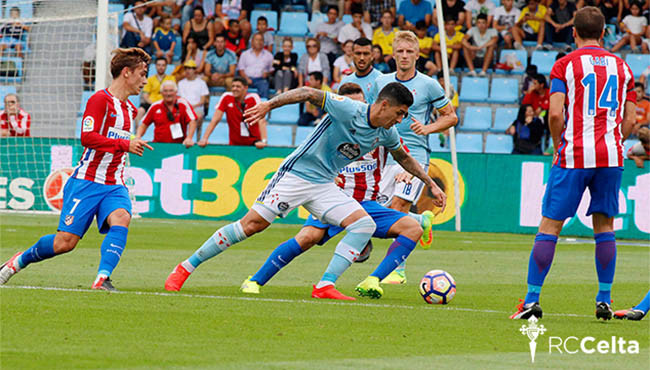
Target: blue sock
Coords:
[[112, 249], [42, 249], [644, 305], [539, 264], [605, 265], [219, 241], [400, 250], [280, 257]]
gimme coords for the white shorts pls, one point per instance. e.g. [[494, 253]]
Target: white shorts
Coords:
[[326, 202], [388, 188]]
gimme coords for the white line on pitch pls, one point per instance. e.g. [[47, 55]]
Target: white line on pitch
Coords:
[[277, 300]]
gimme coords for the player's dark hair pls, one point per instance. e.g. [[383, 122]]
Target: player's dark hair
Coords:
[[241, 80], [540, 78], [356, 8], [318, 76], [350, 88], [396, 94], [362, 41], [589, 23], [263, 18], [482, 16], [127, 57]]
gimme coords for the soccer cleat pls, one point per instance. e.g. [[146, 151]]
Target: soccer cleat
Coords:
[[630, 314], [103, 283], [525, 311], [365, 253], [427, 234], [330, 292], [9, 269], [604, 311], [395, 277], [249, 286], [370, 288], [176, 279]]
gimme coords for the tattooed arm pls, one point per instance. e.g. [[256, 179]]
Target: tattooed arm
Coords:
[[299, 95], [413, 167]]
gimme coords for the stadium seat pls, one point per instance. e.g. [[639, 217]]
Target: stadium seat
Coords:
[[219, 135], [529, 44], [474, 89], [84, 99], [299, 48], [302, 133], [497, 143], [26, 8], [521, 55], [148, 136], [271, 17], [477, 119], [178, 48], [544, 61], [434, 144], [116, 9], [627, 144], [4, 90], [504, 91], [285, 115], [454, 82], [212, 105], [347, 18], [135, 99], [503, 119], [279, 135], [18, 64], [469, 143], [77, 129], [293, 24], [638, 63]]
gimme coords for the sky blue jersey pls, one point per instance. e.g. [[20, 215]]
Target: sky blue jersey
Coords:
[[364, 82], [342, 137], [427, 94]]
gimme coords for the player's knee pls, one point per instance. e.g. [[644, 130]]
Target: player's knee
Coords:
[[64, 242], [364, 225], [120, 217]]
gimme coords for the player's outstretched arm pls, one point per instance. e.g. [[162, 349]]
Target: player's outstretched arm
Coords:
[[300, 95], [136, 146], [447, 119], [413, 167], [629, 119]]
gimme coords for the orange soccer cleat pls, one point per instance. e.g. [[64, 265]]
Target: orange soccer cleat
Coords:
[[176, 279], [330, 292]]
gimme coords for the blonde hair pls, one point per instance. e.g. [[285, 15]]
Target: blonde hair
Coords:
[[406, 36], [169, 83], [644, 135]]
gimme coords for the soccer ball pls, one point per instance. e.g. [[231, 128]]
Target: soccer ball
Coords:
[[437, 287]]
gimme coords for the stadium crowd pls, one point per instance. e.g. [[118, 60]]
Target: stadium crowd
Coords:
[[202, 46]]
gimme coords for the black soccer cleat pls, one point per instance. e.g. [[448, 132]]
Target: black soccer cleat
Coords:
[[604, 311], [104, 283], [630, 314], [525, 311]]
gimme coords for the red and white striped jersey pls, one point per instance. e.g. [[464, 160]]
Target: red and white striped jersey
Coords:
[[360, 179], [105, 134], [597, 84]]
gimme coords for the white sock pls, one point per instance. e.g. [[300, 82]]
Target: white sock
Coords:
[[188, 266], [323, 283]]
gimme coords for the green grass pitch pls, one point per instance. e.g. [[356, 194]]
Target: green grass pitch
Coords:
[[50, 318]]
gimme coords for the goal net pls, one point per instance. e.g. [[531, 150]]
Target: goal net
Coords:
[[48, 62]]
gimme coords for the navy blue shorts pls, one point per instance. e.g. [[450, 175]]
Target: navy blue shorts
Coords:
[[83, 200], [566, 185], [384, 218]]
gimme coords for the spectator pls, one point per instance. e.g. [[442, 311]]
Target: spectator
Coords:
[[193, 53], [350, 5], [559, 23], [328, 33], [634, 26], [640, 152], [164, 39], [356, 29], [454, 9], [324, 5], [312, 112], [475, 7], [527, 132], [151, 90], [220, 64], [171, 117], [538, 95], [375, 9], [642, 108], [13, 120], [412, 11], [645, 45], [235, 10], [12, 32], [611, 9], [286, 67], [195, 90], [424, 63], [137, 28], [454, 44], [263, 29], [255, 65], [234, 104], [166, 7], [530, 25], [343, 65], [482, 45], [504, 19], [529, 76], [384, 35], [378, 60], [234, 40], [313, 61], [200, 29]]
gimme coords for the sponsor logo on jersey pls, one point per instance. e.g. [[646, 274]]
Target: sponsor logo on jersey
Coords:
[[116, 133], [88, 124], [359, 167], [349, 150]]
